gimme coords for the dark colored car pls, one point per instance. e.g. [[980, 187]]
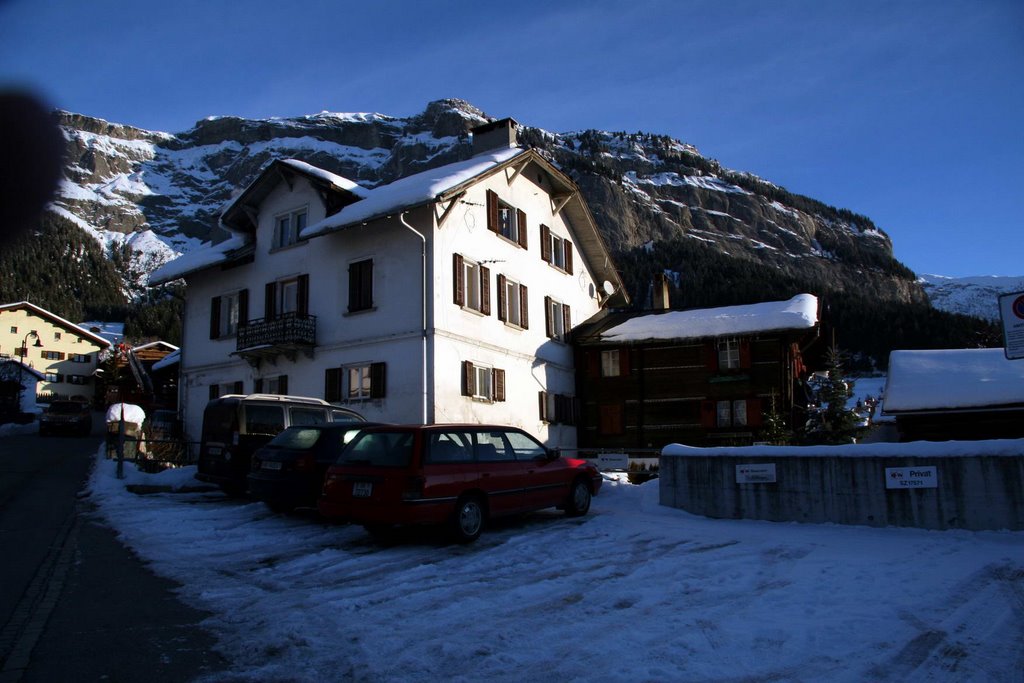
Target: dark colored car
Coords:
[[454, 475], [69, 417], [289, 471], [235, 426]]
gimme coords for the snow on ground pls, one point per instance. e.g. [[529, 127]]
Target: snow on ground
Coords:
[[632, 592]]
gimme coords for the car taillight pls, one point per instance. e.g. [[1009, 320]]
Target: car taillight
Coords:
[[413, 488], [305, 463]]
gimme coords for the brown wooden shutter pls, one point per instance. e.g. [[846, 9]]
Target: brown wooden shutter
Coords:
[[611, 419], [568, 256], [542, 405], [468, 379], [745, 353], [524, 308], [755, 418], [593, 357], [624, 361], [332, 384], [214, 391], [303, 295], [492, 211], [485, 290], [459, 280], [257, 386], [711, 356], [377, 380], [243, 307], [282, 384], [270, 301], [708, 416], [521, 225], [548, 329], [545, 243], [566, 320], [215, 317], [498, 381], [502, 303]]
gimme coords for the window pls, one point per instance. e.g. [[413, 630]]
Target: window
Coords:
[[14, 329], [53, 355], [610, 363], [81, 357], [272, 385], [227, 312], [512, 303], [728, 354], [53, 377], [56, 336], [288, 227], [506, 220], [264, 419], [555, 250], [287, 297], [557, 408], [472, 285], [731, 413], [557, 319], [360, 286], [359, 382], [482, 382], [217, 390], [77, 379]]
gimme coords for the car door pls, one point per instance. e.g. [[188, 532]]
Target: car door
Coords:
[[498, 472], [544, 479]]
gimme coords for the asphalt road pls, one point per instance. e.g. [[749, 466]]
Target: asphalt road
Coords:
[[75, 604]]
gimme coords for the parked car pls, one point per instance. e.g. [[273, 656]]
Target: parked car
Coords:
[[234, 426], [454, 475], [73, 417], [289, 471]]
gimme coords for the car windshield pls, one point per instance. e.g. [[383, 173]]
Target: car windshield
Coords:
[[65, 408], [381, 449], [298, 438]]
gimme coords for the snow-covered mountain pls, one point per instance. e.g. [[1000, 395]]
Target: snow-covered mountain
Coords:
[[154, 194], [974, 296]]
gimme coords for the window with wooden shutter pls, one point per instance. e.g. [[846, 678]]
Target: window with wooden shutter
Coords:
[[332, 384], [468, 378], [707, 414], [492, 211], [498, 384], [542, 401], [755, 417], [377, 380], [568, 256], [215, 318], [459, 279], [270, 301], [302, 296], [360, 285], [545, 243], [485, 290], [521, 231]]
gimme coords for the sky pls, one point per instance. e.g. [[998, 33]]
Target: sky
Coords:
[[908, 112], [632, 591]]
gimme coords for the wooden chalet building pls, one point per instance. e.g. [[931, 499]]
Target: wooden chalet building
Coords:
[[699, 377]]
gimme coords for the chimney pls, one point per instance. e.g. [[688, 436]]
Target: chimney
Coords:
[[495, 135], [659, 297]]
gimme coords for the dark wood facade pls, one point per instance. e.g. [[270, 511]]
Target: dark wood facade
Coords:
[[700, 392]]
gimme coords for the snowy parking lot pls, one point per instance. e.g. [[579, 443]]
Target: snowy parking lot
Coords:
[[632, 592]]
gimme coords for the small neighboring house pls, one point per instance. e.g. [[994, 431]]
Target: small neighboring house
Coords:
[[700, 377], [140, 381], [955, 395], [66, 354], [18, 384], [445, 296]]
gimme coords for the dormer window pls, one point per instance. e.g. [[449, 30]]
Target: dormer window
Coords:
[[506, 220], [288, 227]]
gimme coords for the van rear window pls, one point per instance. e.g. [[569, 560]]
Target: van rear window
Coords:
[[219, 420], [267, 420], [380, 449], [308, 416]]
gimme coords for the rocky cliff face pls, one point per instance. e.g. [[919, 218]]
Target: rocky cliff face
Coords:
[[123, 183]]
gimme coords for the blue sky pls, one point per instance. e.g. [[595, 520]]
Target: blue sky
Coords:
[[911, 113]]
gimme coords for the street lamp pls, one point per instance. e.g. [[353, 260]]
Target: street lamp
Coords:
[[24, 360]]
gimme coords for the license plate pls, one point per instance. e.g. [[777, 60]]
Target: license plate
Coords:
[[362, 489], [271, 465]]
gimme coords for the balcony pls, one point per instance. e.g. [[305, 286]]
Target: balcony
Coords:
[[266, 339]]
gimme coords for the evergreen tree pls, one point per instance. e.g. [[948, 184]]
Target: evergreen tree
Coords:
[[775, 430], [832, 422]]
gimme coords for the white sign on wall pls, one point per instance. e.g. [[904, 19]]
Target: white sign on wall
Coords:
[[911, 477], [1011, 310], [612, 461], [756, 474]]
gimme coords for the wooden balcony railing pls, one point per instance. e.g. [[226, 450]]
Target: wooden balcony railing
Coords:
[[285, 334]]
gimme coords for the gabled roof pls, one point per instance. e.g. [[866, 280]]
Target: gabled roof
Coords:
[[798, 313], [22, 368], [56, 320], [336, 191], [953, 380], [439, 184]]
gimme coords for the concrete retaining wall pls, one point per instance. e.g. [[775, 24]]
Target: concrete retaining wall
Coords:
[[983, 491]]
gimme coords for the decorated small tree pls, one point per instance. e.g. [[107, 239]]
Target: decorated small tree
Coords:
[[831, 421], [774, 429]]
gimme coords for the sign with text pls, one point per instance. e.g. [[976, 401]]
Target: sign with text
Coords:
[[612, 461], [911, 477], [1011, 310], [755, 474]]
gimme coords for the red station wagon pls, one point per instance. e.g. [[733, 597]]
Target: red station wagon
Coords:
[[456, 475]]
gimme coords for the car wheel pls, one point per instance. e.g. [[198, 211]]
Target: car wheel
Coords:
[[468, 521], [579, 499]]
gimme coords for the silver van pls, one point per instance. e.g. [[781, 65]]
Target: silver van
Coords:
[[234, 426]]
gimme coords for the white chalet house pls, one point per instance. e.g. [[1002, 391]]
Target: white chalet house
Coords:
[[442, 297]]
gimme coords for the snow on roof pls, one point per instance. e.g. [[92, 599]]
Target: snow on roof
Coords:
[[195, 260], [800, 312], [54, 318], [337, 181], [412, 190], [952, 379], [173, 358]]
